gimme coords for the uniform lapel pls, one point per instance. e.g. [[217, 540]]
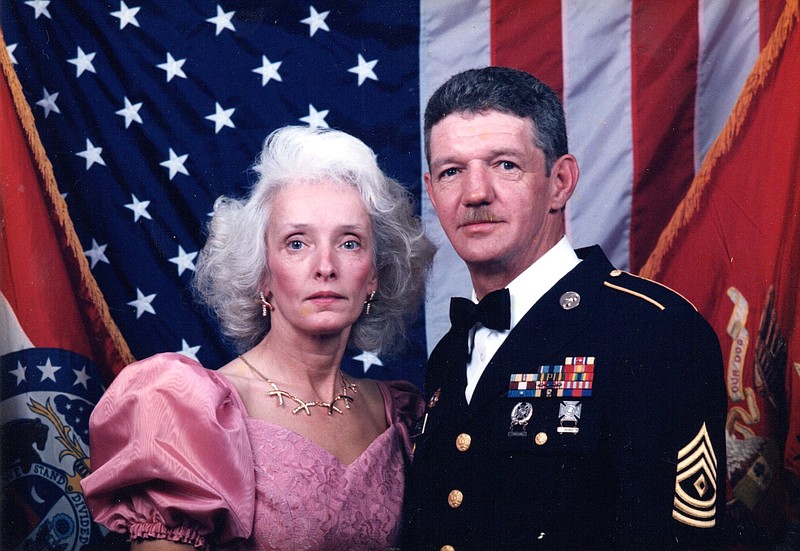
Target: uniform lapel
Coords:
[[447, 366]]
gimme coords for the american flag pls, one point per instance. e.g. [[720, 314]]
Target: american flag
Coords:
[[149, 111]]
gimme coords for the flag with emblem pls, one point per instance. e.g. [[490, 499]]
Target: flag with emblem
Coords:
[[58, 345], [733, 249]]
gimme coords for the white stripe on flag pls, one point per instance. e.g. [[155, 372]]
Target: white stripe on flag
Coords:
[[12, 336], [454, 36], [729, 46], [597, 100]]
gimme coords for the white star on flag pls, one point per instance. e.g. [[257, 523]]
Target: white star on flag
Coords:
[[188, 351], [364, 69], [315, 119], [48, 370], [221, 118], [10, 49], [184, 260], [81, 377], [139, 208], [126, 15], [315, 21], [268, 70], [368, 359], [97, 254], [83, 62], [142, 303], [39, 7], [222, 20], [130, 112], [173, 67], [91, 154], [175, 164], [48, 102], [19, 372]]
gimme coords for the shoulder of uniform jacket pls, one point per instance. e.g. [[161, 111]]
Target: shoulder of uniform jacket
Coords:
[[648, 290]]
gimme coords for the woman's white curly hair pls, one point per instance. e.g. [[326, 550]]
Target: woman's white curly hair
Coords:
[[232, 267]]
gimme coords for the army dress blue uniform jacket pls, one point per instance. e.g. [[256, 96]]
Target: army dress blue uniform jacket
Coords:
[[637, 462]]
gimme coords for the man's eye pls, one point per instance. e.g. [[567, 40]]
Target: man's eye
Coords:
[[449, 173], [295, 245], [507, 165]]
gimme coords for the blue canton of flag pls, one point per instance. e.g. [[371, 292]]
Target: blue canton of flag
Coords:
[[149, 111]]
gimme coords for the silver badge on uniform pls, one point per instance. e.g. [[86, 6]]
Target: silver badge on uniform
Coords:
[[520, 416], [569, 413], [569, 300]]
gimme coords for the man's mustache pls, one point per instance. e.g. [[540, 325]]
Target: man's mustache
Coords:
[[478, 215]]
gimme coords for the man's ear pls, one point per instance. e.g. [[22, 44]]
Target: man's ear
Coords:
[[429, 188], [564, 178]]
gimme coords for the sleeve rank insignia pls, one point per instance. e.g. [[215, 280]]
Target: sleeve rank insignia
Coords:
[[696, 483]]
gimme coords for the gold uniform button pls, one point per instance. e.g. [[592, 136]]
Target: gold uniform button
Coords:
[[541, 438], [447, 548], [616, 273], [463, 442], [455, 498]]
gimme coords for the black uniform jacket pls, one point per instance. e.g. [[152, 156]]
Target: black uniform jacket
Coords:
[[636, 463]]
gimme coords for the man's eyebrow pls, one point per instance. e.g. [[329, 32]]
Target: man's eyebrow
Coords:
[[492, 154]]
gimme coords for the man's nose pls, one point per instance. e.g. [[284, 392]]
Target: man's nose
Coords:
[[478, 188]]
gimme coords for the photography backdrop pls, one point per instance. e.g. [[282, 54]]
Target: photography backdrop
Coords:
[[122, 122]]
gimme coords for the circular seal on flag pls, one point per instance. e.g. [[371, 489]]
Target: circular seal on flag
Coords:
[[47, 396]]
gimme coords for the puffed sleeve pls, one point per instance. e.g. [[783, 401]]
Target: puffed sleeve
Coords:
[[404, 407], [170, 455]]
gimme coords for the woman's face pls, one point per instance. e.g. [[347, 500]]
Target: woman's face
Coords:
[[319, 252]]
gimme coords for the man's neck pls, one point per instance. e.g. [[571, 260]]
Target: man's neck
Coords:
[[491, 277]]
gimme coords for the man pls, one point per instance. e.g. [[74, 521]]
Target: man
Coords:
[[593, 416]]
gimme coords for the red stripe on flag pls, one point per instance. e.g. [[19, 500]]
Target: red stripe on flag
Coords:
[[527, 35], [35, 280], [664, 48], [769, 12]]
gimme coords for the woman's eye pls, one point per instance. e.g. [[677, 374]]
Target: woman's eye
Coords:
[[351, 245], [295, 245]]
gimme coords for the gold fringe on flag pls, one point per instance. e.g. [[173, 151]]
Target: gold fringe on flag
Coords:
[[691, 202], [58, 207]]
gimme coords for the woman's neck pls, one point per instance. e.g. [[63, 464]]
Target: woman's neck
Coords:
[[302, 363]]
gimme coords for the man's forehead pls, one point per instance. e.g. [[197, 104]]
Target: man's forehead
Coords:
[[494, 133]]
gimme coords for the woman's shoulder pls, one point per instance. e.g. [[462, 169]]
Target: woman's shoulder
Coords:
[[168, 378], [165, 367], [404, 402]]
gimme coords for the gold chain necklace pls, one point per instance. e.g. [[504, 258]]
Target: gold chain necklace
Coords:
[[302, 404]]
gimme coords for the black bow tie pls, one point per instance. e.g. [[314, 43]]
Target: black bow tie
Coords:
[[493, 311]]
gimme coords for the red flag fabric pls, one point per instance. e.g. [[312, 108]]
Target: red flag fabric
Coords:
[[732, 247], [58, 344]]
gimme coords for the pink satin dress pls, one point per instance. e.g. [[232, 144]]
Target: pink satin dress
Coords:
[[175, 456]]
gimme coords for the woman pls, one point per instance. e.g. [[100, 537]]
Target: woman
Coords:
[[278, 449]]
